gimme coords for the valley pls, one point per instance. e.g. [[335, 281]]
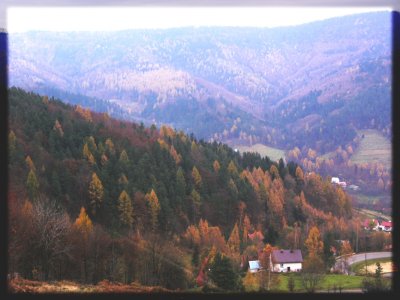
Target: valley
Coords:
[[220, 155]]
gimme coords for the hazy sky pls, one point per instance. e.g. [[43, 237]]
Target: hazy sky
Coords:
[[117, 18]]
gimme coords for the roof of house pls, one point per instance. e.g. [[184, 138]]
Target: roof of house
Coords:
[[287, 256], [254, 264], [256, 234], [387, 224], [368, 221]]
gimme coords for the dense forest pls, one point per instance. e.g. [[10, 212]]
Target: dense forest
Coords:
[[297, 86], [93, 198]]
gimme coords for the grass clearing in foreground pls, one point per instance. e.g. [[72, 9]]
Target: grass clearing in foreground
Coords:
[[373, 147], [328, 283], [273, 153]]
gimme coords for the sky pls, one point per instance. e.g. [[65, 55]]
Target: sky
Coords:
[[21, 18]]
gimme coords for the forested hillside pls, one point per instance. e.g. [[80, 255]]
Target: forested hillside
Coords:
[[299, 86], [93, 198]]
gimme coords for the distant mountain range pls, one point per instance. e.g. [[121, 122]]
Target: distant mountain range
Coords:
[[311, 85]]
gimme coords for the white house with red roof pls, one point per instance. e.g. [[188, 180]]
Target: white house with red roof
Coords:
[[386, 226]]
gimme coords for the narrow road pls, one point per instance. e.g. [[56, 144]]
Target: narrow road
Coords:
[[339, 265], [368, 255]]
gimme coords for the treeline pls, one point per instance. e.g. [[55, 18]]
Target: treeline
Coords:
[[328, 125], [93, 198]]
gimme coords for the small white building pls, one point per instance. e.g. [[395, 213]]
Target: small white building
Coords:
[[386, 226], [335, 180], [254, 266], [286, 260]]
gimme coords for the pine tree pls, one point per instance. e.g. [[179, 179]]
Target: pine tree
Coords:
[[110, 146], [123, 158], [30, 163], [234, 240], [313, 242], [92, 144], [154, 207], [33, 185], [96, 192], [381, 184], [181, 182], [123, 180], [180, 185], [12, 143], [233, 189], [176, 156], [232, 169], [196, 177], [88, 154], [274, 172], [196, 202], [125, 208], [58, 128], [299, 174], [222, 273], [216, 166], [83, 223]]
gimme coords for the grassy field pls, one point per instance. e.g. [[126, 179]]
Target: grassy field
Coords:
[[359, 268], [273, 153], [373, 147], [328, 283], [370, 214]]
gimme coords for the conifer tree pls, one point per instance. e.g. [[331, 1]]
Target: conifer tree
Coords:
[[196, 177], [154, 207], [232, 169], [84, 226], [180, 183], [216, 166], [314, 242], [234, 240], [123, 180], [33, 185], [92, 144], [96, 193], [123, 157], [125, 209], [58, 128], [222, 273], [110, 146], [196, 204], [274, 172], [176, 156], [83, 223], [30, 163], [88, 154], [12, 143]]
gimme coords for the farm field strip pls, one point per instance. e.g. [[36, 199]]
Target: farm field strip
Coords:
[[373, 147]]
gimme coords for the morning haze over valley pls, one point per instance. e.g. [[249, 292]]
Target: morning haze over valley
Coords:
[[238, 158]]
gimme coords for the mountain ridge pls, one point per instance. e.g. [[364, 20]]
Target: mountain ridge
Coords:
[[256, 71]]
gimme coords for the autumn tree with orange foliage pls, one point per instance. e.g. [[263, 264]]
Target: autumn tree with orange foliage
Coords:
[[313, 265], [82, 229]]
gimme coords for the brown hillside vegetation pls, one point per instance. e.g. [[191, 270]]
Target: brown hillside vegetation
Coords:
[[19, 285]]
